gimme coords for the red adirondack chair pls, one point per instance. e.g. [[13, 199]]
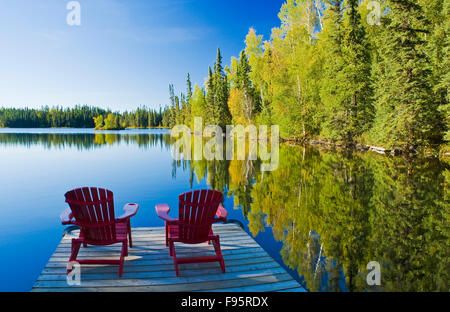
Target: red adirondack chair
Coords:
[[198, 210], [92, 209]]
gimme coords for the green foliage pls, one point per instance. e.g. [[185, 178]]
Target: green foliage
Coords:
[[198, 104], [99, 122], [324, 73], [243, 101], [84, 141], [218, 101], [336, 211], [406, 108], [79, 117], [56, 117], [112, 123], [346, 90]]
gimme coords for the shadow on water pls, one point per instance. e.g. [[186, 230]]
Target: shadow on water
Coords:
[[324, 215]]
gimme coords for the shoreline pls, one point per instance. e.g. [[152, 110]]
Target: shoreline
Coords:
[[313, 142], [359, 147]]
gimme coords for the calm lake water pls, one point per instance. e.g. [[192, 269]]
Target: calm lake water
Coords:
[[323, 215]]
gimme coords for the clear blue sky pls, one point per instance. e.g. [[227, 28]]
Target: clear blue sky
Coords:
[[124, 54]]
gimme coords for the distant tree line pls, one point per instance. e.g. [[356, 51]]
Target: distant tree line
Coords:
[[82, 117]]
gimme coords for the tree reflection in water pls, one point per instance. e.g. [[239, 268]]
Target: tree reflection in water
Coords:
[[336, 211], [333, 211]]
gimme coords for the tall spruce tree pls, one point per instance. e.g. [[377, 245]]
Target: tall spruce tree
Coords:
[[407, 114], [173, 107], [217, 95], [437, 14], [188, 107], [330, 41], [444, 81], [357, 60], [222, 116], [348, 92], [243, 82], [210, 99]]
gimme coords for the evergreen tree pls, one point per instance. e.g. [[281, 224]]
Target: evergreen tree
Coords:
[[189, 87], [346, 92], [187, 112], [444, 81], [407, 112], [244, 83], [222, 116], [437, 12], [172, 121], [210, 117]]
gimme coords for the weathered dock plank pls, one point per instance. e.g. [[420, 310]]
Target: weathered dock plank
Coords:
[[150, 268]]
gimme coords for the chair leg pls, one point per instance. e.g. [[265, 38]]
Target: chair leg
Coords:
[[173, 254], [130, 240], [211, 234], [167, 235], [216, 243], [74, 252], [177, 273], [123, 254], [85, 245], [171, 249]]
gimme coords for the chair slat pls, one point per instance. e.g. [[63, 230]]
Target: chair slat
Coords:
[[81, 211], [104, 208], [112, 216], [95, 233], [197, 211], [95, 207], [98, 209]]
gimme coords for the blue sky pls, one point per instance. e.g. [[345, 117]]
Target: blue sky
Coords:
[[124, 54]]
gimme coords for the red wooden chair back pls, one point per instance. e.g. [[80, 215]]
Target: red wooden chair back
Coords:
[[196, 215], [93, 210]]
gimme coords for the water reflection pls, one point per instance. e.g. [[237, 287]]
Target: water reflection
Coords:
[[334, 212], [337, 211], [85, 141]]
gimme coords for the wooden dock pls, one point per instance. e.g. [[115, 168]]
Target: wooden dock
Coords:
[[150, 268]]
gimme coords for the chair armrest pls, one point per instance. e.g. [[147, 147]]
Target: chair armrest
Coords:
[[221, 214], [66, 217], [130, 211], [163, 212]]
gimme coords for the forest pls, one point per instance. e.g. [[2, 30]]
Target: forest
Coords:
[[334, 212], [332, 71], [82, 117]]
